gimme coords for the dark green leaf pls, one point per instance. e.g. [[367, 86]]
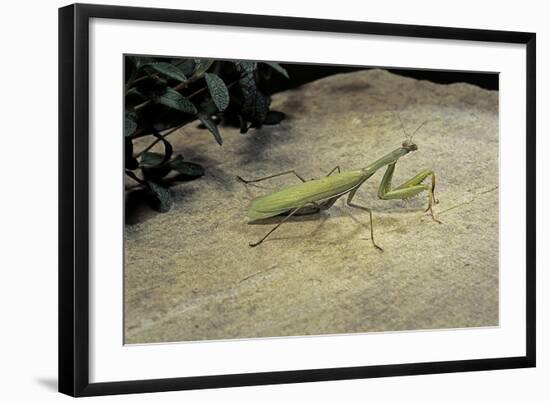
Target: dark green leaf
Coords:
[[187, 66], [256, 104], [151, 88], [154, 166], [277, 67], [274, 117], [156, 173], [188, 169], [211, 125], [167, 147], [141, 61], [208, 106], [246, 66], [151, 159], [154, 160], [214, 118], [218, 91], [138, 61], [176, 100], [201, 66], [162, 196], [130, 124], [169, 70]]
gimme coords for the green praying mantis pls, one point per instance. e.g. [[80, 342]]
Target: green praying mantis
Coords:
[[316, 195]]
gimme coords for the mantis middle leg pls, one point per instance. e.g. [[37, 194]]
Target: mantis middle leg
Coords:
[[409, 188], [350, 198]]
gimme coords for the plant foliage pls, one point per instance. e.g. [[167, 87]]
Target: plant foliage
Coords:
[[164, 94]]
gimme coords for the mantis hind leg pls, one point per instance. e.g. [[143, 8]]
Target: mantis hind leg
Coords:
[[349, 203], [409, 188], [337, 168], [292, 212], [271, 176]]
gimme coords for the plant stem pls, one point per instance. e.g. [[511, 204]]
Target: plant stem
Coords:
[[143, 77], [139, 106], [160, 138]]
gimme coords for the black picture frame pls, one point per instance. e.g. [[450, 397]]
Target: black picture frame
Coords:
[[74, 198]]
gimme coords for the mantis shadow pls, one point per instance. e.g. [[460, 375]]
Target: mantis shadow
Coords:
[[294, 219]]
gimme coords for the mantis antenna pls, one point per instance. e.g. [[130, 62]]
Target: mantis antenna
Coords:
[[402, 126], [405, 131], [416, 130]]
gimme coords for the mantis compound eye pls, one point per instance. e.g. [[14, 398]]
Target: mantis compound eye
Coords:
[[410, 146]]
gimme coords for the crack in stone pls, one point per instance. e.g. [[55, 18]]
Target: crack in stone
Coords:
[[201, 300], [261, 272], [475, 196]]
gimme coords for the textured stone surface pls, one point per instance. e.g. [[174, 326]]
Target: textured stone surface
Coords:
[[190, 274]]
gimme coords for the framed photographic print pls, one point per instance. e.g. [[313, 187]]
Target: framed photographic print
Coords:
[[249, 199]]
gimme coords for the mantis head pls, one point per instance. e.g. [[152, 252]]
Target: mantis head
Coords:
[[409, 145]]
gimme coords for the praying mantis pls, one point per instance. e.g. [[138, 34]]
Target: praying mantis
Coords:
[[316, 195]]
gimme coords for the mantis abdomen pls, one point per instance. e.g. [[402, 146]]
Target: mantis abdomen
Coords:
[[305, 193]]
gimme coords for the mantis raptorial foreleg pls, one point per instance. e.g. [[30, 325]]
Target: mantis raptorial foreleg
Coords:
[[350, 198], [409, 188], [281, 223]]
